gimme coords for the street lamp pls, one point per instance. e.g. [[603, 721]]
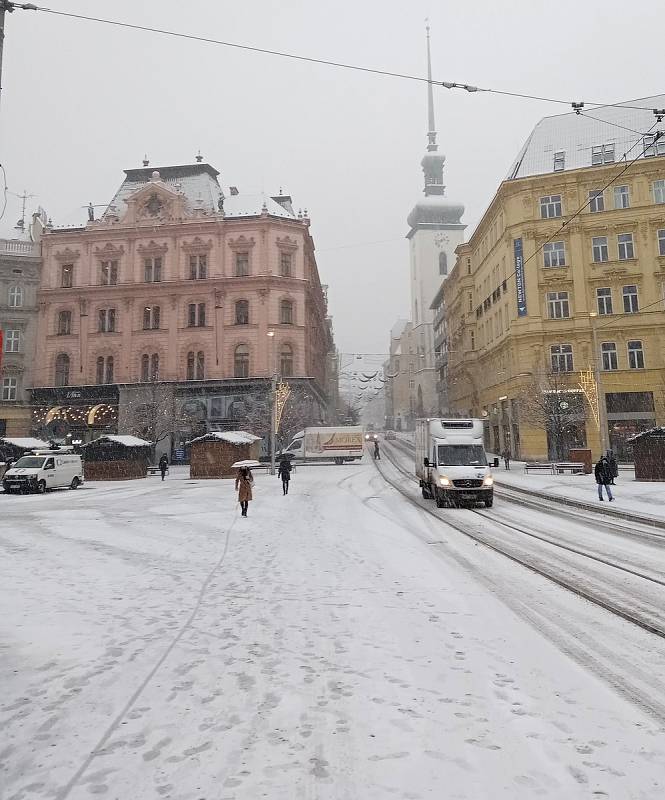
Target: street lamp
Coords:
[[273, 389], [602, 404]]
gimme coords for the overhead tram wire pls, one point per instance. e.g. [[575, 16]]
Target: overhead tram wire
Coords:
[[325, 62]]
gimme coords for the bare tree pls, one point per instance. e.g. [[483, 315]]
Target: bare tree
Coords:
[[553, 402], [151, 412]]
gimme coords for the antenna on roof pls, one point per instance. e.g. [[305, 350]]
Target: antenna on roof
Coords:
[[199, 157], [577, 107], [659, 113], [146, 163]]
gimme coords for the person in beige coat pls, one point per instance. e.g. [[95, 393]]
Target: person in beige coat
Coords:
[[244, 483]]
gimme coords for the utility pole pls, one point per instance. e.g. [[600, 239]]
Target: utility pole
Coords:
[[602, 403], [4, 7]]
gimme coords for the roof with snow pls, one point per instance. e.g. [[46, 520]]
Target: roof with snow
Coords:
[[232, 437], [126, 441], [652, 433], [579, 138], [26, 443]]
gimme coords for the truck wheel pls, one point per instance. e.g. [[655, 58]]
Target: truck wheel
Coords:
[[41, 487], [75, 483], [440, 499]]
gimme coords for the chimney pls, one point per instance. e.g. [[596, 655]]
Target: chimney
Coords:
[[233, 190]]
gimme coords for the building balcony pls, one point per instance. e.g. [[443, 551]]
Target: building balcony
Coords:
[[11, 247]]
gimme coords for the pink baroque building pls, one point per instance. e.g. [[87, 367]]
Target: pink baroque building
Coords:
[[171, 313]]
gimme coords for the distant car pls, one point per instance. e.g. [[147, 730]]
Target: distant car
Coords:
[[391, 435], [371, 437]]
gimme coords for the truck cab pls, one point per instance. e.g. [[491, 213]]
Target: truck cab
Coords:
[[451, 462]]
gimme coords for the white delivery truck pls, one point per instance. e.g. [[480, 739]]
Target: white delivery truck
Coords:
[[44, 469], [339, 444], [451, 462]]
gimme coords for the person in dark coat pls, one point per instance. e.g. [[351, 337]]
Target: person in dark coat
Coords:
[[614, 467], [603, 473], [244, 483], [377, 452], [163, 464], [284, 472], [506, 458]]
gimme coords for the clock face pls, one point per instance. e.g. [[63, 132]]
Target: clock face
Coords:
[[441, 239]]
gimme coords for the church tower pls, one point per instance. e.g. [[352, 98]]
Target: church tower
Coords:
[[435, 231]]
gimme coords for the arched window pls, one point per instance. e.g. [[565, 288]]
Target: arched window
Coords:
[[150, 367], [154, 367], [145, 367], [443, 264], [195, 365], [104, 371], [100, 370], [15, 297], [241, 361], [242, 312], [200, 365], [108, 376], [286, 312], [286, 361], [190, 366], [62, 370]]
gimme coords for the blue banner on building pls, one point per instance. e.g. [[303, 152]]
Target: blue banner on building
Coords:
[[520, 281]]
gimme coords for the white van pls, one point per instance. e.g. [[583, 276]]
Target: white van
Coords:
[[42, 470]]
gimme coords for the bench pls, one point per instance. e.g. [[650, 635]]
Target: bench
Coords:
[[568, 466], [155, 470], [539, 466]]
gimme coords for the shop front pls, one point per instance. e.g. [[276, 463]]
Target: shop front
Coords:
[[74, 414], [628, 413]]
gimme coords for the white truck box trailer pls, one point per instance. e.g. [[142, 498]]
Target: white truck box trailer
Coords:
[[338, 444], [451, 463]]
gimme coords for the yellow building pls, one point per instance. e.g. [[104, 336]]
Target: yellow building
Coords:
[[556, 319]]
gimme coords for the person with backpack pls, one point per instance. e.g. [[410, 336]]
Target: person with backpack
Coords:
[[163, 465], [244, 484], [284, 472], [603, 474]]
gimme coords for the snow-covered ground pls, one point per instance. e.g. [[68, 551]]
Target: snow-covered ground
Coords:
[[336, 644]]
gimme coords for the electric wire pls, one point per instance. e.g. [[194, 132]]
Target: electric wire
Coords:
[[5, 189]]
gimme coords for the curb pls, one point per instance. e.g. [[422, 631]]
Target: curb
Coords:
[[628, 516]]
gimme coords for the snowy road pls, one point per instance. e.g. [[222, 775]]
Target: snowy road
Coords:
[[335, 644]]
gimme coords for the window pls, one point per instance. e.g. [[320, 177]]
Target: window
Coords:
[[554, 254], [15, 297], [661, 242], [621, 197], [67, 276], [625, 246], [241, 361], [286, 361], [64, 323], [602, 154], [286, 312], [652, 146], [195, 365], [630, 303], [635, 355], [62, 370], [596, 201], [152, 269], [557, 305], [196, 315], [12, 341], [550, 206], [151, 318], [559, 161], [150, 367], [561, 357], [9, 388], [198, 268], [412, 384], [242, 265], [659, 192], [443, 264], [604, 300], [105, 369], [600, 250], [608, 352], [285, 264], [107, 320], [242, 312], [109, 273]]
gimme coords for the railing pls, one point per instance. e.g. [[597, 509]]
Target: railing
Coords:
[[15, 247]]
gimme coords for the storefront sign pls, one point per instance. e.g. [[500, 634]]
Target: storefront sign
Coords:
[[520, 281]]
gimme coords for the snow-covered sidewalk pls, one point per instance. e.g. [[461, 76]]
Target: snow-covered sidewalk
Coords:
[[157, 645]]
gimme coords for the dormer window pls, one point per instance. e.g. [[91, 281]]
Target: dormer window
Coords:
[[559, 160], [652, 146], [602, 154]]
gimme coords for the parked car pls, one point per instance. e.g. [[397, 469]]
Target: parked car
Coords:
[[391, 435], [42, 470]]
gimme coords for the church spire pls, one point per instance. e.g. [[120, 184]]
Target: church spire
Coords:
[[431, 132]]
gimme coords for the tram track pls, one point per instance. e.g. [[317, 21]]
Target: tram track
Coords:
[[650, 617]]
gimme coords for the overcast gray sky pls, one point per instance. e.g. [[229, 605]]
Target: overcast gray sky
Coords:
[[83, 101]]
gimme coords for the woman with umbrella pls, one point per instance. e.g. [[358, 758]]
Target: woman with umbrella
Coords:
[[244, 484]]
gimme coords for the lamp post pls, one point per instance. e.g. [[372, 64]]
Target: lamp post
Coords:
[[273, 389], [602, 405]]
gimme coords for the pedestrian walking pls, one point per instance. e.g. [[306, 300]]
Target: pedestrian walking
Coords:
[[244, 483], [377, 452], [506, 459], [614, 467], [163, 465], [284, 472], [603, 473]]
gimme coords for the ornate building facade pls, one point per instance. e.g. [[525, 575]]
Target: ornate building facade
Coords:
[[180, 303]]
